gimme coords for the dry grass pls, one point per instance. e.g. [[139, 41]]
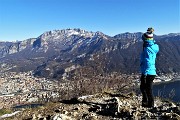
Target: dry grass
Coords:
[[95, 84], [5, 111]]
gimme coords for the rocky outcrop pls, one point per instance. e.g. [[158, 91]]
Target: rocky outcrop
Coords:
[[105, 106], [7, 48]]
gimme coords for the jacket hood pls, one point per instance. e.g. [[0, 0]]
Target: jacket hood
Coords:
[[149, 42]]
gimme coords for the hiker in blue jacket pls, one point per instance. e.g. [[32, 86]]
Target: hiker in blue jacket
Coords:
[[148, 69]]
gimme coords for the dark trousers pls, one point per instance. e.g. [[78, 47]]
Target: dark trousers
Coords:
[[146, 90]]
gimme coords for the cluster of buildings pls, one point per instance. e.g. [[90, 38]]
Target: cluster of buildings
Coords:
[[24, 88]]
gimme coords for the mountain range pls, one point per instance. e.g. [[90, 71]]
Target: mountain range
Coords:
[[70, 52]]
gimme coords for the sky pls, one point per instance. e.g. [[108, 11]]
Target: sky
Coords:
[[23, 19]]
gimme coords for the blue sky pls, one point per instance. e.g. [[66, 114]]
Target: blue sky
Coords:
[[23, 19]]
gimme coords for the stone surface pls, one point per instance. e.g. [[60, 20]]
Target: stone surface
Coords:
[[104, 107]]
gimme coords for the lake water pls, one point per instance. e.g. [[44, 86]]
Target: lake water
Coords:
[[170, 90], [33, 105]]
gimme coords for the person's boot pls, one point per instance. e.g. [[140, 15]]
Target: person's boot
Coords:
[[150, 105]]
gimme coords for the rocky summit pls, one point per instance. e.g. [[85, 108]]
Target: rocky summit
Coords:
[[102, 106]]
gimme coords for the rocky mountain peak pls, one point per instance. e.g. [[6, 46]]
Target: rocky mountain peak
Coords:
[[129, 35], [65, 33]]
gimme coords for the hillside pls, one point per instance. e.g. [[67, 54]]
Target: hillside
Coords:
[[60, 53]]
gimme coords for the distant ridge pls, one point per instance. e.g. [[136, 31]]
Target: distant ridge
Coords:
[[57, 53]]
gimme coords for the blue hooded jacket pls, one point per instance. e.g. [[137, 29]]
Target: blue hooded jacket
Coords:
[[148, 57]]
